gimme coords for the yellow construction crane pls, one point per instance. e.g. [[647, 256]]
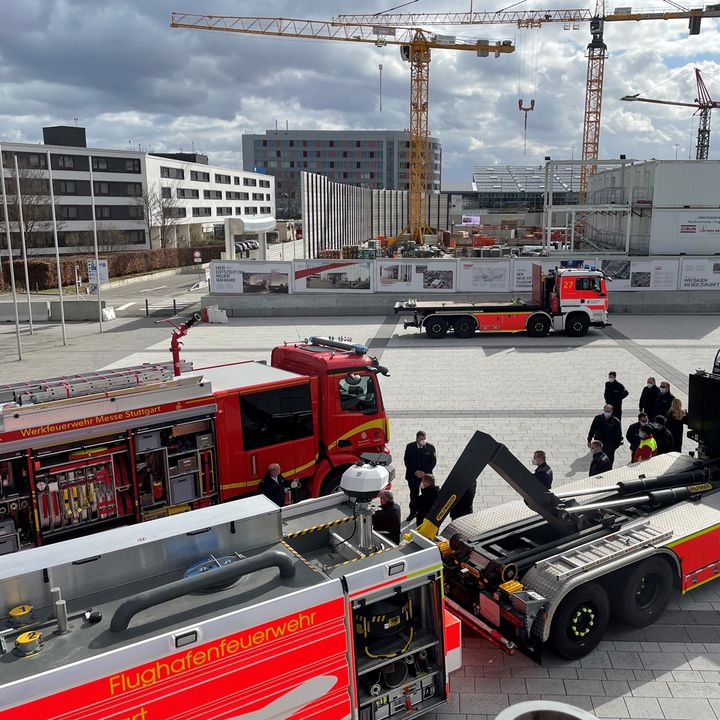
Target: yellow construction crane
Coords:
[[415, 47], [596, 49]]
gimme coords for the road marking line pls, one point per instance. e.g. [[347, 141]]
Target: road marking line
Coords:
[[125, 306], [159, 287]]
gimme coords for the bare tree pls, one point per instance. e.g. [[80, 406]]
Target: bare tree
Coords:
[[35, 200], [162, 213]]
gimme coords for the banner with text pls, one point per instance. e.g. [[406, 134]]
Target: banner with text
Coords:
[[329, 276], [629, 274], [483, 276], [700, 274], [416, 276], [236, 276]]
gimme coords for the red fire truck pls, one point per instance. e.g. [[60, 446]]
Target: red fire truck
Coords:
[[239, 611], [564, 300], [84, 452]]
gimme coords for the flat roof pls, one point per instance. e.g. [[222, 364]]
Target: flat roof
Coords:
[[242, 374]]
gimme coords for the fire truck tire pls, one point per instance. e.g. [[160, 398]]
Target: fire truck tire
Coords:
[[538, 325], [645, 590], [577, 324], [580, 621], [436, 327], [331, 484], [464, 326]]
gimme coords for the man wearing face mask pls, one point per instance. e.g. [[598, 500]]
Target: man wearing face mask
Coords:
[[663, 436], [615, 393], [664, 401], [633, 434], [606, 428], [648, 446], [543, 472], [648, 398], [419, 459]]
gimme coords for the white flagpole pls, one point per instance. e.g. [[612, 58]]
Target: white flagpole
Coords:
[[22, 240], [57, 250], [95, 244], [10, 259]]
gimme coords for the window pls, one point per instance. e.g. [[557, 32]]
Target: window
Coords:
[[264, 143], [199, 176], [201, 212], [212, 194], [132, 166], [258, 196], [173, 173], [66, 187], [223, 179], [68, 212], [166, 193], [238, 211], [357, 394], [224, 211], [175, 212], [276, 416], [251, 211], [265, 183], [66, 162], [249, 182], [101, 188], [134, 189], [188, 193], [237, 180], [103, 212], [99, 163], [135, 212], [588, 284], [265, 211]]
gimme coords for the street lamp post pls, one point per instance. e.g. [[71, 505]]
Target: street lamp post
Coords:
[[677, 147]]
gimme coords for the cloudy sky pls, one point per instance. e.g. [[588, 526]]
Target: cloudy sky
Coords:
[[124, 74]]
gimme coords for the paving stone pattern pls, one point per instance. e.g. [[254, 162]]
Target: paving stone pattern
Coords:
[[529, 394]]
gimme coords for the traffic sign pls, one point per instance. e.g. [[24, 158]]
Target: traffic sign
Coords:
[[197, 258]]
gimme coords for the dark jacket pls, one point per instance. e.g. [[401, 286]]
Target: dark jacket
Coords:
[[662, 404], [676, 428], [273, 489], [419, 458], [633, 435], [422, 506], [648, 398], [608, 431], [615, 393], [387, 519], [544, 474], [600, 463], [664, 439]]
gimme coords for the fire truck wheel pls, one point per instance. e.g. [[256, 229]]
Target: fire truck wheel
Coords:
[[436, 327], [646, 590], [464, 326], [332, 482], [577, 325], [580, 621], [538, 325]]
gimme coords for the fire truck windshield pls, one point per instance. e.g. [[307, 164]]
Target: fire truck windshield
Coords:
[[588, 283], [360, 396]]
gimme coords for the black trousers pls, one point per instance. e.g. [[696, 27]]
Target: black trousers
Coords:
[[414, 485]]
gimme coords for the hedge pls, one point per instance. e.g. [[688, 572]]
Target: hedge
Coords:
[[42, 275]]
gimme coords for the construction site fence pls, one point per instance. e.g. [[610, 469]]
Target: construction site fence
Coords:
[[461, 275]]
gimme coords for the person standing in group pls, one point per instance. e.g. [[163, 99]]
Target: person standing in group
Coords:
[[600, 461], [664, 400], [420, 458], [543, 472], [606, 428], [387, 517], [428, 495], [272, 486], [648, 446], [648, 397], [615, 393], [676, 417], [633, 434], [663, 436]]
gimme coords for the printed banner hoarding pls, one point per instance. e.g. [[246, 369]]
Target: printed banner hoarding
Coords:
[[700, 274], [483, 276], [417, 276], [253, 278], [629, 274], [332, 276]]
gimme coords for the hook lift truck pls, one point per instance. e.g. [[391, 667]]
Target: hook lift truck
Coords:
[[554, 567]]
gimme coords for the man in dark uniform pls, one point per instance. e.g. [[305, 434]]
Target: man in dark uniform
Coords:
[[600, 461], [606, 428], [419, 459], [633, 434], [615, 393], [664, 400], [543, 472], [428, 495], [272, 485], [648, 397], [387, 517], [663, 437]]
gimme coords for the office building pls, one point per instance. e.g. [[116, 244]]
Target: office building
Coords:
[[372, 159], [141, 200]]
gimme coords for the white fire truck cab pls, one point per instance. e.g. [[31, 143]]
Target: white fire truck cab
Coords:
[[240, 611]]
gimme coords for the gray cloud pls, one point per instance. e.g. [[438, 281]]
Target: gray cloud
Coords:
[[131, 79]]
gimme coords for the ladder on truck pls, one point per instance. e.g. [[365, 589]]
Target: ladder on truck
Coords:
[[604, 550], [70, 386]]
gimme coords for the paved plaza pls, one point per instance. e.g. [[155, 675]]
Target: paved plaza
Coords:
[[529, 394]]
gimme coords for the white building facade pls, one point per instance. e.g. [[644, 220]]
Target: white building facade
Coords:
[[120, 185]]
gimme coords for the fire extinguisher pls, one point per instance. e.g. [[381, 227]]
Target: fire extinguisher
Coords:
[[158, 491]]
